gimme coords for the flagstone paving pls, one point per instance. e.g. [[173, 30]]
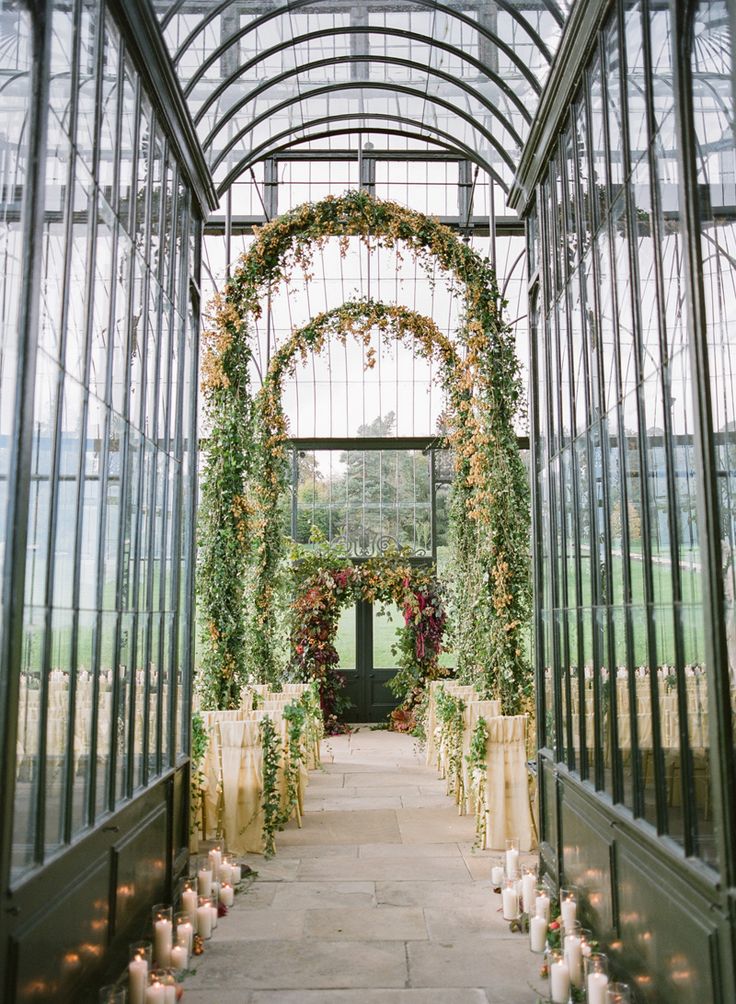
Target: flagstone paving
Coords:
[[378, 899]]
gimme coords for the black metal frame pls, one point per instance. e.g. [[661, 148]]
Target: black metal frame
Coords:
[[605, 827], [135, 815]]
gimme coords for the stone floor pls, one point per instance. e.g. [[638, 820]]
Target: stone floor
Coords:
[[378, 898]]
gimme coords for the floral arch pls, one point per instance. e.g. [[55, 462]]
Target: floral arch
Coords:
[[241, 547]]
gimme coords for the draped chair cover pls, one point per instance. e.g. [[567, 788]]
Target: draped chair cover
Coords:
[[242, 784], [473, 711], [507, 787]]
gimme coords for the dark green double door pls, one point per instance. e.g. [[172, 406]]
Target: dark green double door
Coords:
[[365, 635]]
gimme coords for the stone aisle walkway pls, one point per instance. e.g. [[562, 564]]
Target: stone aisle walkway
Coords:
[[379, 898]]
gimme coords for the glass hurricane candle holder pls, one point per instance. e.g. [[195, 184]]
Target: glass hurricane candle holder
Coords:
[[204, 917], [572, 946], [204, 875], [141, 954], [619, 993], [559, 978], [111, 994], [510, 900], [512, 858], [528, 888], [497, 872], [596, 978], [215, 856], [161, 987], [226, 869], [568, 907], [162, 917], [542, 903], [537, 934], [184, 930], [187, 898]]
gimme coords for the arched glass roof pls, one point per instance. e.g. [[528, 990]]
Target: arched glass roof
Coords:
[[264, 76]]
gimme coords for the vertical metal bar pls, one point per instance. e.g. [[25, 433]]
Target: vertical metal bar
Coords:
[[89, 299], [657, 238], [636, 781], [716, 650], [13, 584], [228, 232]]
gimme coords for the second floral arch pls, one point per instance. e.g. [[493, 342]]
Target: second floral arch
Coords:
[[242, 569]]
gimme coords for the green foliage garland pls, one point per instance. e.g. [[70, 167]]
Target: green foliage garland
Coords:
[[240, 541], [324, 581], [477, 773], [449, 710], [271, 798]]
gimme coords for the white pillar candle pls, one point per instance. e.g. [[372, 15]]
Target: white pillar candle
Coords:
[[559, 982], [215, 856], [574, 959], [597, 988], [510, 901], [542, 905], [537, 934], [528, 891], [226, 872], [162, 943], [569, 912], [235, 874], [170, 994], [179, 957], [185, 934], [213, 911], [189, 905], [496, 876], [512, 863], [227, 895], [204, 881], [156, 994], [204, 921], [137, 980]]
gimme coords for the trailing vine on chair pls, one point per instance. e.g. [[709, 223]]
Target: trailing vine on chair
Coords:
[[478, 775], [271, 797], [449, 710]]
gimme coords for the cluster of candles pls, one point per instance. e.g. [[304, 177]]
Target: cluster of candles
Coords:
[[574, 964], [154, 964]]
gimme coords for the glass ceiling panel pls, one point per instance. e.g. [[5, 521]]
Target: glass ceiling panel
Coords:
[[335, 395], [260, 74]]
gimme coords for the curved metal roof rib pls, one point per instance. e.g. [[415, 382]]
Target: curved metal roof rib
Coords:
[[461, 75]]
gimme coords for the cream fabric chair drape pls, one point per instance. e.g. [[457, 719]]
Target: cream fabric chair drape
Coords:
[[507, 787], [473, 711], [242, 784]]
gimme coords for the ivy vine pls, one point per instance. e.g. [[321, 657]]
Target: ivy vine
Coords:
[[271, 796], [449, 711]]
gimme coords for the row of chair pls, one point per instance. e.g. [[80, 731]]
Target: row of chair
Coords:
[[498, 793], [231, 775]]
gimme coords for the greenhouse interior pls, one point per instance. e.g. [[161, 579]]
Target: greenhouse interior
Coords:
[[367, 517]]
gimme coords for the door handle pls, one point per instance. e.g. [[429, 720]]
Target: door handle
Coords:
[[372, 676]]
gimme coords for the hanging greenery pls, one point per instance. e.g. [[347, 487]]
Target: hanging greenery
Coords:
[[477, 761], [325, 581], [241, 569], [271, 796], [449, 710]]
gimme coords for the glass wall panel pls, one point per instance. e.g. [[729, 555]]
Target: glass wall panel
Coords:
[[16, 62], [617, 509], [711, 57], [105, 542]]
